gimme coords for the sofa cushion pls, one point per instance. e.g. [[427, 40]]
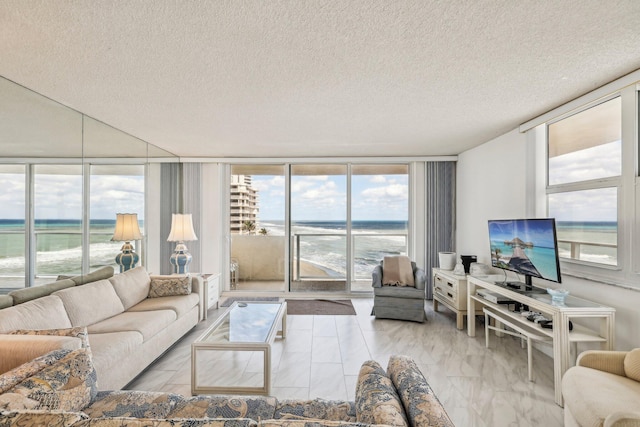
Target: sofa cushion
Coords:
[[68, 385], [132, 286], [27, 294], [15, 376], [148, 323], [16, 350], [137, 404], [152, 422], [220, 406], [377, 401], [99, 274], [90, 303], [79, 332], [591, 395], [40, 418], [632, 364], [420, 403], [317, 408], [42, 313], [165, 286], [110, 349], [178, 304]]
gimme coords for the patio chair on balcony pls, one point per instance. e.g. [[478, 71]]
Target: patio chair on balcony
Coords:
[[399, 290]]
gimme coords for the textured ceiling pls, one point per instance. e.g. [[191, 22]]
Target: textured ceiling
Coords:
[[316, 78]]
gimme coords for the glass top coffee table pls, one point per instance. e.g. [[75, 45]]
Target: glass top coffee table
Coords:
[[233, 356]]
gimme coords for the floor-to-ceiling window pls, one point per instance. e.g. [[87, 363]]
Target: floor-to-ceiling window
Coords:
[[58, 219], [257, 227], [379, 217], [113, 189], [42, 212], [330, 225], [12, 226], [319, 227]]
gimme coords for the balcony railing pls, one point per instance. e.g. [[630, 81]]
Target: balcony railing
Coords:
[[576, 250], [368, 255]]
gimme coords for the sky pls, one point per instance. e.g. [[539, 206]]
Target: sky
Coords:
[[323, 197], [60, 196], [589, 205]]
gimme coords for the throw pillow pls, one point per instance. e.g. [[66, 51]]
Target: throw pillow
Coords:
[[164, 286], [421, 404], [632, 364], [377, 401], [15, 376], [67, 385], [397, 271], [78, 332]]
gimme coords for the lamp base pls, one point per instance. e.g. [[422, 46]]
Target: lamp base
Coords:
[[180, 259], [127, 259]]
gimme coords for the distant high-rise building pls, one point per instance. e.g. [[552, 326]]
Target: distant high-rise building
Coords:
[[244, 204]]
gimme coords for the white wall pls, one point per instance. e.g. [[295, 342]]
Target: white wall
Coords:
[[492, 184]]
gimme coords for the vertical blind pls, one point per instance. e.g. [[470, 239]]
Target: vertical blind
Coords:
[[440, 218]]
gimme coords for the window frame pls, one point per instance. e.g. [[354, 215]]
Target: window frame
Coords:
[[626, 272]]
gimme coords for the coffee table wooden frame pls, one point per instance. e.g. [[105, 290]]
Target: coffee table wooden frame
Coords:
[[200, 345]]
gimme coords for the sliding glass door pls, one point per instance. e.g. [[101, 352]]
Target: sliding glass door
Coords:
[[257, 227], [318, 227], [315, 227], [379, 217]]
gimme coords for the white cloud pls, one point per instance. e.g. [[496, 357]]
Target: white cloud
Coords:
[[378, 179]]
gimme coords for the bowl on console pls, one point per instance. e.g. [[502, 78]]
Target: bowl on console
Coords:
[[558, 295]]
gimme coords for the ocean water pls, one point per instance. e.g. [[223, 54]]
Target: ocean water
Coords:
[[58, 246], [322, 243], [604, 232]]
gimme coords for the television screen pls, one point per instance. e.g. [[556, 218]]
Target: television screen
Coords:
[[526, 246]]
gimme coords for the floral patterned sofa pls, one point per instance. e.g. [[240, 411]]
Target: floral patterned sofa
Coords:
[[131, 318], [60, 389]]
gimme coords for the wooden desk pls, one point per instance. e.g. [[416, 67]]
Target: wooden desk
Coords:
[[573, 308]]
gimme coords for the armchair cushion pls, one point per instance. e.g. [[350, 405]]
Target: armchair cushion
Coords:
[[397, 271], [592, 395], [632, 364], [607, 361]]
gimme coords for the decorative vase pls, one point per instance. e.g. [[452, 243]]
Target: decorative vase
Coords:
[[447, 260]]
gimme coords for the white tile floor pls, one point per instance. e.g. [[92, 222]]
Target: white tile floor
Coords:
[[321, 357]]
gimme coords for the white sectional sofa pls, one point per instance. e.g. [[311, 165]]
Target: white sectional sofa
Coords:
[[127, 329]]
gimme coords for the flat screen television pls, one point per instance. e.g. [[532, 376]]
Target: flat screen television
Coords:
[[525, 246]]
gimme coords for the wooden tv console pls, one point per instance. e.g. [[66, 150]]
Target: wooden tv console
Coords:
[[562, 337]]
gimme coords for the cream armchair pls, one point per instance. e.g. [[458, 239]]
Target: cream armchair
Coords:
[[603, 389]]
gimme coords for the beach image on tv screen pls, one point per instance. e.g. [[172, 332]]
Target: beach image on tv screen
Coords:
[[524, 246]]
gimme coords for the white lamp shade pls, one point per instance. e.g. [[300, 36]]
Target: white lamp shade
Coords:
[[181, 228], [127, 228]]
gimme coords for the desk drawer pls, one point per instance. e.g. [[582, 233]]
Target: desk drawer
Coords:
[[446, 295], [445, 284]]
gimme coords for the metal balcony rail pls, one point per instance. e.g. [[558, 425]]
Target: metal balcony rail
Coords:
[[298, 237]]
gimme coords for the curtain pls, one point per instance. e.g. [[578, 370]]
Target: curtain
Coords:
[[192, 204], [440, 221], [170, 203]]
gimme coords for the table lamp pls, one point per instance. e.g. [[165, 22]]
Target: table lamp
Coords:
[[127, 229], [181, 231]]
